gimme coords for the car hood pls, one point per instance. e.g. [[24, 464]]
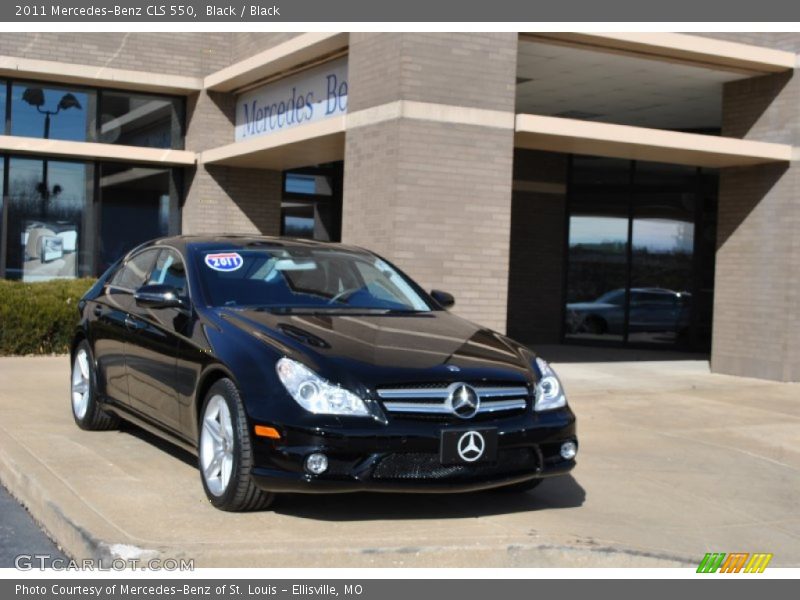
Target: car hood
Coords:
[[390, 349]]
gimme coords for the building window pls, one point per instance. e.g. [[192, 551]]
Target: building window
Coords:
[[3, 103], [46, 230], [137, 203], [51, 112], [65, 219], [91, 115], [636, 268], [307, 184], [312, 202], [140, 120]]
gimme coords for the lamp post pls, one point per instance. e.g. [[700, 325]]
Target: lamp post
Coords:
[[35, 97]]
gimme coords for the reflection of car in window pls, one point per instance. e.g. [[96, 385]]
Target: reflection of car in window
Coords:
[[299, 366], [651, 310]]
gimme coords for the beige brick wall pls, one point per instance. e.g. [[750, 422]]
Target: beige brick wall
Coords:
[[247, 43], [756, 310], [476, 70], [190, 54], [434, 197], [225, 199], [233, 200]]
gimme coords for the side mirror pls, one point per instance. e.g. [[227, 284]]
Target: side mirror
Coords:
[[159, 296], [443, 298]]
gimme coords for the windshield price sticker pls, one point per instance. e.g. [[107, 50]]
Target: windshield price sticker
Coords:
[[224, 261]]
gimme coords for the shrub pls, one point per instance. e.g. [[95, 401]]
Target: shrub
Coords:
[[39, 318]]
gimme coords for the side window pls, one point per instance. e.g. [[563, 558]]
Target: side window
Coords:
[[132, 274], [169, 270]]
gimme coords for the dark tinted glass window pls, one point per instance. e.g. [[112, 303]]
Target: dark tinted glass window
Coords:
[[302, 183], [635, 264], [3, 87], [169, 270], [140, 120], [136, 204], [133, 273], [598, 247], [666, 299], [46, 231], [51, 112]]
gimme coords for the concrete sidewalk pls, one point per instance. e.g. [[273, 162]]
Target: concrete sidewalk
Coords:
[[674, 462]]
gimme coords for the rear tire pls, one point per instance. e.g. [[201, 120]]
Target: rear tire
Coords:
[[225, 455], [86, 410]]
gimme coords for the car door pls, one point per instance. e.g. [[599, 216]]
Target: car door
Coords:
[[109, 329], [152, 347]]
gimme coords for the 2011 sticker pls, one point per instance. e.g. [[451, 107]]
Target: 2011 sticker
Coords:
[[224, 261]]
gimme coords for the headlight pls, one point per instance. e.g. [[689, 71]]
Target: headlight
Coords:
[[549, 392], [315, 394]]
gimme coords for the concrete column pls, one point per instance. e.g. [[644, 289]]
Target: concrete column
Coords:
[[757, 291], [225, 199], [427, 183]]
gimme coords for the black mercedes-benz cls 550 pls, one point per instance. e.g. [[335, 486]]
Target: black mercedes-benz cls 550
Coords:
[[297, 366]]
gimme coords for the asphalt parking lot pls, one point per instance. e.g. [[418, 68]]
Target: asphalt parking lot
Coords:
[[21, 536], [674, 462]]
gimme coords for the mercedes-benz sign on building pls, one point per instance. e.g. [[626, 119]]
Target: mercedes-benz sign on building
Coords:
[[613, 189]]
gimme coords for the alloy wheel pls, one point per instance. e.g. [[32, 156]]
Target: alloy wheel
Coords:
[[216, 445], [81, 387]]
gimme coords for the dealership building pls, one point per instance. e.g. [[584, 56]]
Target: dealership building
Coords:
[[629, 190]]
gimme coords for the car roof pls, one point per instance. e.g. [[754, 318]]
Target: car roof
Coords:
[[184, 243]]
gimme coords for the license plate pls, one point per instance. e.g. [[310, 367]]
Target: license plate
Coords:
[[468, 446]]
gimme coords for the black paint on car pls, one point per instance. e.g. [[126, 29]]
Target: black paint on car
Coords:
[[297, 366]]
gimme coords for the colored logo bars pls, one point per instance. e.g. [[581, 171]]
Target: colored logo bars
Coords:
[[735, 562]]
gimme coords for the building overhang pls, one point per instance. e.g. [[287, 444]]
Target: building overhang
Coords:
[[573, 136], [678, 47], [309, 144], [303, 49], [78, 74], [55, 149]]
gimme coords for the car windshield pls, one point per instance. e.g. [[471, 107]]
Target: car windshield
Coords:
[[302, 278]]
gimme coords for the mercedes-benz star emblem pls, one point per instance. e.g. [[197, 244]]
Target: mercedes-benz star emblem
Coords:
[[471, 446], [463, 400]]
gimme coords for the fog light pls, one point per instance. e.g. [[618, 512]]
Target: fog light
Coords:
[[568, 450], [317, 463]]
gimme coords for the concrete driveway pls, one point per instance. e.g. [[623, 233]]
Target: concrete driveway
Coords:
[[674, 462]]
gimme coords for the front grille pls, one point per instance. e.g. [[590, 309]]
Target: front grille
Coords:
[[427, 466], [432, 399]]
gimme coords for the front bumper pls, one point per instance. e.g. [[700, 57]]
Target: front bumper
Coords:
[[405, 456]]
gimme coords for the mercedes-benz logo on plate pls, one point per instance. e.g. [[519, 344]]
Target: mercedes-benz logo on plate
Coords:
[[463, 400], [471, 446]]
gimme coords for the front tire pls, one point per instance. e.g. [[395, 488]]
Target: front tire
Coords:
[[86, 410], [225, 454]]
